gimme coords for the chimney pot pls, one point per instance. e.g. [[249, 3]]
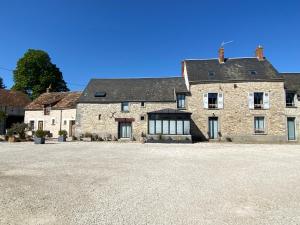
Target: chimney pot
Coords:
[[259, 53], [221, 55]]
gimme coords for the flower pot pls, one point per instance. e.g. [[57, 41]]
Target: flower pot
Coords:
[[39, 140], [62, 138], [12, 139]]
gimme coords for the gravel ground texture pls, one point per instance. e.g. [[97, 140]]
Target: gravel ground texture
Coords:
[[162, 184]]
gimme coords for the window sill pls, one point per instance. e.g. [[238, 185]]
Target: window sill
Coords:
[[291, 107], [124, 111], [259, 133]]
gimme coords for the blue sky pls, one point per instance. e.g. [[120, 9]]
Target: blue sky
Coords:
[[142, 38]]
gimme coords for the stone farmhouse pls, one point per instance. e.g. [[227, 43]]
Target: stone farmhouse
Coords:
[[220, 99], [53, 111]]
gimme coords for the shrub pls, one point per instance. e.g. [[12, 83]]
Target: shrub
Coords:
[[63, 133], [87, 135], [19, 128], [40, 134], [10, 132]]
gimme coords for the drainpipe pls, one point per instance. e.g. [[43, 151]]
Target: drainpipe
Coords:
[[60, 120]]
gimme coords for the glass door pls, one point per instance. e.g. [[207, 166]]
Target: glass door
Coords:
[[124, 130], [213, 127], [291, 128]]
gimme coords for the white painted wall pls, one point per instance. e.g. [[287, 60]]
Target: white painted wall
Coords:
[[62, 117]]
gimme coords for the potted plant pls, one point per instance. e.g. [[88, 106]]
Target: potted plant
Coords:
[[39, 137], [62, 135], [20, 130], [11, 135]]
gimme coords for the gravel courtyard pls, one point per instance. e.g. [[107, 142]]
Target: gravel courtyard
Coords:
[[118, 183]]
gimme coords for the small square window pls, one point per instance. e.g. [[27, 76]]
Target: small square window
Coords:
[[65, 122], [125, 107], [142, 117], [211, 73], [53, 122], [99, 117], [252, 72], [142, 104]]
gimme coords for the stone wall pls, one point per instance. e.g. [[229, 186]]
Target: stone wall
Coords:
[[62, 117], [294, 112], [87, 117], [236, 120]]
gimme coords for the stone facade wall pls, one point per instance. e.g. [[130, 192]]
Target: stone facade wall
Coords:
[[294, 112], [87, 118], [236, 120], [60, 116]]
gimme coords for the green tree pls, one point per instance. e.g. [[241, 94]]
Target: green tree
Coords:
[[2, 86], [35, 73]]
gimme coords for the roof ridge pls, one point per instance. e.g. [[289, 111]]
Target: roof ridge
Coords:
[[228, 58], [136, 78]]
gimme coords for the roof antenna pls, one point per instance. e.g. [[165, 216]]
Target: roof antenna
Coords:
[[225, 43]]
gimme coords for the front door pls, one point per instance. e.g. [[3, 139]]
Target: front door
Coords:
[[40, 125], [213, 127], [291, 128], [125, 130], [71, 128]]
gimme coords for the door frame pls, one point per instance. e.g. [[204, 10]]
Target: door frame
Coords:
[[120, 131], [295, 128], [38, 126], [218, 125], [71, 124]]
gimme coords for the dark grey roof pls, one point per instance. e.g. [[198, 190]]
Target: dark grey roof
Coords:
[[169, 111], [234, 69], [291, 81], [133, 89]]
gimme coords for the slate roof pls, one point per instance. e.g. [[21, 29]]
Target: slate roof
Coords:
[[57, 100], [13, 98], [291, 81], [234, 69], [133, 89]]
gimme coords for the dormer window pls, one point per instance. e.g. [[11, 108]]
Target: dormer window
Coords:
[[252, 72], [211, 74], [100, 94], [180, 101]]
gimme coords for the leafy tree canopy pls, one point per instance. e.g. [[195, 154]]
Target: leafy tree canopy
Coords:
[[35, 73], [2, 86]]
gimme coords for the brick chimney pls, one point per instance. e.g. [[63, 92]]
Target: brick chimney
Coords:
[[259, 53], [221, 55], [48, 90]]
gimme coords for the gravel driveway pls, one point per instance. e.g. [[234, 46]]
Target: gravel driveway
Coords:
[[118, 183]]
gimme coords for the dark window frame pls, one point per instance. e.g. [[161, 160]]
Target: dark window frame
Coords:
[[179, 99], [259, 130], [258, 100], [290, 99], [123, 105], [212, 100]]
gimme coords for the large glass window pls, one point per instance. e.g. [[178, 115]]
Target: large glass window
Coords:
[[186, 127], [179, 127], [158, 126], [165, 126], [151, 126], [172, 126], [180, 101]]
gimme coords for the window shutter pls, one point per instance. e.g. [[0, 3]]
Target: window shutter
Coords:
[[220, 101], [205, 100], [266, 100], [251, 100]]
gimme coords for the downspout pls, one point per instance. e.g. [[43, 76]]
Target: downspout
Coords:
[[60, 120]]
